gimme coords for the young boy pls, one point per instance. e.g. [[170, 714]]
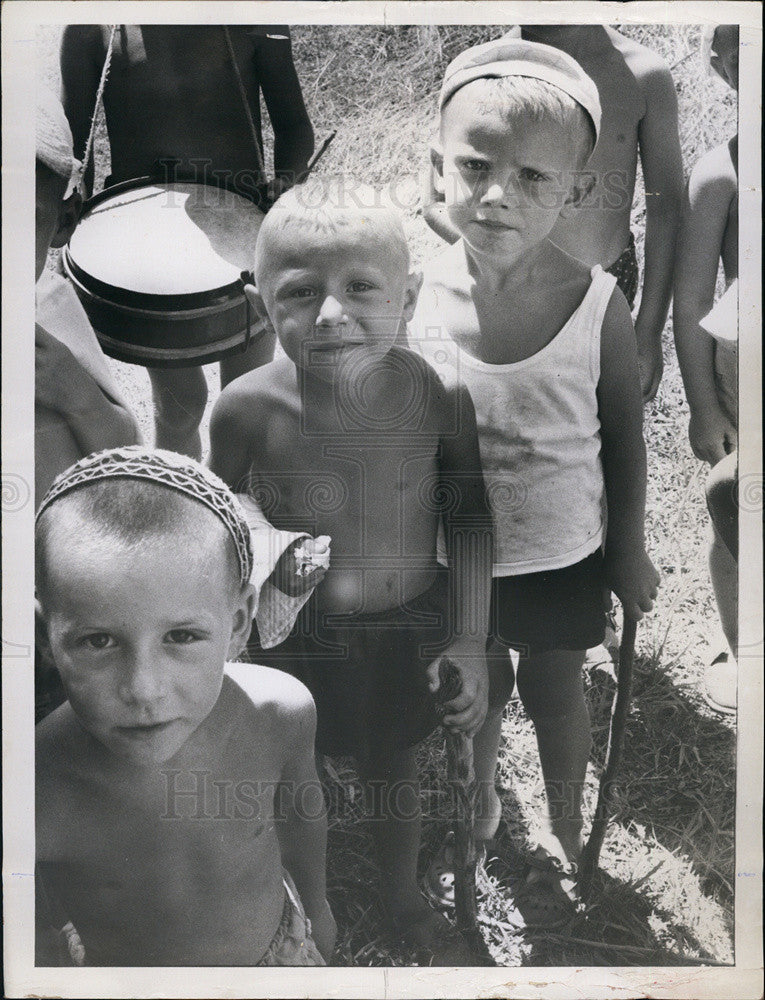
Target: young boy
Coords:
[[639, 116], [356, 438], [78, 408], [171, 786], [174, 110], [546, 347], [707, 349]]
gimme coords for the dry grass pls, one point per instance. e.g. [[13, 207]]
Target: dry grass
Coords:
[[665, 892]]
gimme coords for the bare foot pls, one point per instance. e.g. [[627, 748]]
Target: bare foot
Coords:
[[438, 943]]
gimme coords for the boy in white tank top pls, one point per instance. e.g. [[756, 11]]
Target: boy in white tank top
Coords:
[[547, 350]]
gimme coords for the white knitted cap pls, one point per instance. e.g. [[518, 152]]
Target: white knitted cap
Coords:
[[508, 56]]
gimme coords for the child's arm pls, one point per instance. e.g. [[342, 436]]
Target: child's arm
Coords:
[[232, 456], [63, 385], [301, 819], [82, 58], [470, 545], [628, 571], [293, 135], [704, 219], [662, 165]]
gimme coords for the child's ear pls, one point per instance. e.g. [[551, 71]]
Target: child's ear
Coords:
[[68, 218], [413, 286], [256, 300], [42, 640], [583, 184], [437, 162], [241, 621]]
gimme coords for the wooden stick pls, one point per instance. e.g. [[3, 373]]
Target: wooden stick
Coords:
[[461, 775], [619, 714]]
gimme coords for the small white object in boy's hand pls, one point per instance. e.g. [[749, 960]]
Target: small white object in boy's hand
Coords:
[[312, 554]]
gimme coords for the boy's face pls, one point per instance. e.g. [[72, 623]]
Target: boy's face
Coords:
[[335, 297], [724, 57], [140, 636], [505, 183]]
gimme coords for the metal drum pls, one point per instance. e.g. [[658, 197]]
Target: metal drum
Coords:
[[158, 269]]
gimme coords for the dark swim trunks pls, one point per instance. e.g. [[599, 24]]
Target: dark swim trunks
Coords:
[[554, 609], [625, 270], [366, 672]]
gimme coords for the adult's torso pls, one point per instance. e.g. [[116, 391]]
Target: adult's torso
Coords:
[[172, 94]]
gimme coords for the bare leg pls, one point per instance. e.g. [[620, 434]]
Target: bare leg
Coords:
[[391, 787], [180, 396], [724, 573], [487, 741], [551, 689], [259, 353]]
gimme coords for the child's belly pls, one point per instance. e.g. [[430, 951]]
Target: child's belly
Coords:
[[365, 590], [214, 899]]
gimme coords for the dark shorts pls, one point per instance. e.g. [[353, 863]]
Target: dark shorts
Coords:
[[555, 609], [366, 672], [625, 270]]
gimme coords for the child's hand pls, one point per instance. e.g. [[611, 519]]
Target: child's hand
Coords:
[[467, 711], [633, 578], [296, 575], [712, 435], [651, 367], [323, 930]]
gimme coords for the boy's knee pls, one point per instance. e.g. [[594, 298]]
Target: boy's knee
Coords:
[[501, 678], [546, 699], [721, 500]]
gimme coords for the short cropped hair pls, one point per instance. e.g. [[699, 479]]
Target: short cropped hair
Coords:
[[523, 97], [134, 513], [333, 205]]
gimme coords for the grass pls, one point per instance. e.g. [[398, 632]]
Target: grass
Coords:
[[664, 895]]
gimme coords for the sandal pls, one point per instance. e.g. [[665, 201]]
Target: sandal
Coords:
[[439, 878], [549, 894]]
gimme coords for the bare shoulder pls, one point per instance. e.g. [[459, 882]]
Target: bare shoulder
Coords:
[[263, 385], [274, 692], [646, 66], [715, 170]]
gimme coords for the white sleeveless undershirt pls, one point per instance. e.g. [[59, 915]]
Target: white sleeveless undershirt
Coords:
[[539, 434]]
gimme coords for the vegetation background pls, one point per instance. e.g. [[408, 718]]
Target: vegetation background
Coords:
[[665, 892]]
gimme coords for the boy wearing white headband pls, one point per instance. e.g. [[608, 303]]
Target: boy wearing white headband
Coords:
[[547, 350], [176, 793], [78, 408]]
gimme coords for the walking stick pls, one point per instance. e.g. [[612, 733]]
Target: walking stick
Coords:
[[461, 777], [619, 712]]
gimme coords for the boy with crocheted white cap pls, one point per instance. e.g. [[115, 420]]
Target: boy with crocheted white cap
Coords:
[[78, 408], [547, 349], [172, 785]]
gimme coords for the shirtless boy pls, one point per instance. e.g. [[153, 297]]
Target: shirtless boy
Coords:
[[174, 111], [172, 786], [546, 347], [707, 349], [352, 437], [639, 116]]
